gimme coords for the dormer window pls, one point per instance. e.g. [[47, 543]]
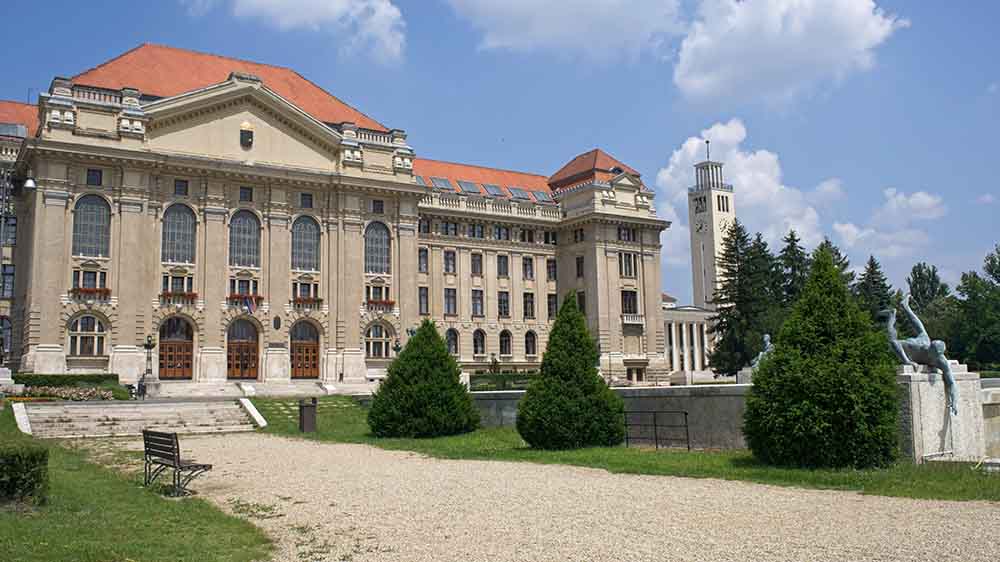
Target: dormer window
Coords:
[[95, 177]]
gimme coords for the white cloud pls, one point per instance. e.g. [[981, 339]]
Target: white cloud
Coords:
[[895, 228], [373, 25], [826, 193], [777, 49], [762, 201], [986, 199], [600, 30], [993, 88]]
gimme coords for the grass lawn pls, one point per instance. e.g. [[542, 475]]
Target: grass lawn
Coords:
[[341, 419], [95, 514]]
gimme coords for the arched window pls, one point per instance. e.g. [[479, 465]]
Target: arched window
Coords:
[[86, 336], [5, 335], [176, 328], [178, 235], [91, 227], [377, 254], [244, 239], [505, 343], [305, 244], [530, 343], [377, 341], [479, 342], [451, 338], [303, 331]]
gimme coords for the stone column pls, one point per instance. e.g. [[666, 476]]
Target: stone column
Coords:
[[130, 281], [685, 362], [50, 243], [696, 346], [352, 292], [674, 348], [213, 281], [277, 360]]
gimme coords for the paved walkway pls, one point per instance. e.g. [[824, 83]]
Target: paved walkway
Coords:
[[359, 503]]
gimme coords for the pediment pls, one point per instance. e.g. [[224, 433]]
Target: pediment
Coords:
[[627, 180], [213, 123]]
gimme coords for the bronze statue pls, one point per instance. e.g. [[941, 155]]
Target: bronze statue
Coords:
[[921, 350]]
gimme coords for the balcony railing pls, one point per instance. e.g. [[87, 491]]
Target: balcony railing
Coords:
[[636, 319], [238, 299], [380, 305], [304, 302], [175, 297], [90, 292]]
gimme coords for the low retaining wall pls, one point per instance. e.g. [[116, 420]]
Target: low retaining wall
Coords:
[[715, 412], [991, 421]]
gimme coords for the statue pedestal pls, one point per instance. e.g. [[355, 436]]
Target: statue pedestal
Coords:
[[7, 382], [745, 376], [927, 430]]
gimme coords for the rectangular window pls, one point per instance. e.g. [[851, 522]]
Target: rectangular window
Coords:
[[503, 266], [181, 188], [550, 269], [630, 303], [579, 266], [528, 267], [477, 302], [477, 231], [550, 238], [449, 261], [477, 264], [246, 194], [89, 279], [177, 284], [626, 264], [553, 306], [10, 232], [306, 200], [501, 232], [7, 288], [448, 228], [95, 177], [578, 235], [450, 302], [626, 234], [422, 260], [527, 235], [378, 207], [503, 304], [581, 302], [424, 226], [529, 305], [425, 306]]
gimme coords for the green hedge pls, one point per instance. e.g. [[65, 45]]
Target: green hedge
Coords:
[[501, 381], [24, 472], [63, 380], [990, 375]]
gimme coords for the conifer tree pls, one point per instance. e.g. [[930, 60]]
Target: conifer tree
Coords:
[[731, 320], [423, 396], [839, 260], [925, 286], [795, 268], [569, 405], [872, 289], [826, 396]]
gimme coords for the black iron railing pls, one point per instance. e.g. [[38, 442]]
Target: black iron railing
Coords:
[[650, 428]]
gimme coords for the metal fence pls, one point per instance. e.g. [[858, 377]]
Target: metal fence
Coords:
[[650, 428]]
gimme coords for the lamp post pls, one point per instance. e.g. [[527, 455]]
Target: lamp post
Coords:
[[6, 211], [148, 346]]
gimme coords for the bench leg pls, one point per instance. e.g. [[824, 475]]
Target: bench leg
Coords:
[[191, 476], [151, 474]]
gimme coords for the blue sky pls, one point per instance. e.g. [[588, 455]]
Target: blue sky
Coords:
[[872, 123]]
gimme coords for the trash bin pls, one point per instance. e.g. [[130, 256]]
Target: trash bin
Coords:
[[307, 415]]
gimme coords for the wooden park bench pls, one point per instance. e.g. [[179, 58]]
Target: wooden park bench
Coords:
[[162, 452]]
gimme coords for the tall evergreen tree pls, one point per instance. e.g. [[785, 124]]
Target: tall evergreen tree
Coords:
[[839, 260], [795, 268], [925, 286], [872, 289]]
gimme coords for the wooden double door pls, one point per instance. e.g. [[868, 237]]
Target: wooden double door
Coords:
[[242, 351], [304, 351], [176, 355]]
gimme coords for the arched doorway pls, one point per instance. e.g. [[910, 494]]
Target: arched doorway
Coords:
[[305, 350], [176, 349], [241, 350]]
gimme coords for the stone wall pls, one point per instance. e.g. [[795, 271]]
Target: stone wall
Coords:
[[991, 421], [715, 412]]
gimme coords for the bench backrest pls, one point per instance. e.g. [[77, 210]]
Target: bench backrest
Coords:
[[162, 446]]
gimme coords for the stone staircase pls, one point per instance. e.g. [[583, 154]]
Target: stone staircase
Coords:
[[118, 419]]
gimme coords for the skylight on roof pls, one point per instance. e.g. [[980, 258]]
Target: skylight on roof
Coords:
[[494, 190], [442, 183], [420, 180], [469, 187], [543, 196], [518, 193]]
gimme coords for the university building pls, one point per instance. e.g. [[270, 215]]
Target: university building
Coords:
[[253, 227]]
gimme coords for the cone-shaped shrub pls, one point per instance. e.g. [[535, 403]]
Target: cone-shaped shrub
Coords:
[[826, 396], [569, 405], [423, 396]]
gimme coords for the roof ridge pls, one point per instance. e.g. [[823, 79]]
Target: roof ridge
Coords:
[[109, 61], [186, 50], [483, 167]]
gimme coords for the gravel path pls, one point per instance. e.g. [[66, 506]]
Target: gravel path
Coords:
[[359, 503]]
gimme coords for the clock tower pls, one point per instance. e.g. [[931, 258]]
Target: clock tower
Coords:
[[711, 210]]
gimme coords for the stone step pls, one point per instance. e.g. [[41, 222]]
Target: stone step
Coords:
[[130, 418], [128, 433]]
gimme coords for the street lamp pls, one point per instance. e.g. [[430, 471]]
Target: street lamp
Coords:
[[148, 346]]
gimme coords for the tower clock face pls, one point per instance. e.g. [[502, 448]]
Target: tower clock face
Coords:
[[724, 225], [700, 226]]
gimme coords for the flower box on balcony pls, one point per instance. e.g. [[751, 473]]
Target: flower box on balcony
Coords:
[[90, 292], [169, 295], [240, 299], [382, 303], [307, 301]]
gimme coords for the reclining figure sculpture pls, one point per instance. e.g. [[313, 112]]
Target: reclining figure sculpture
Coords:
[[921, 350], [768, 348]]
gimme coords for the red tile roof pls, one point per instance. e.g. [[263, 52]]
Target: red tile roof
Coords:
[[164, 71], [594, 164], [21, 113], [477, 174]]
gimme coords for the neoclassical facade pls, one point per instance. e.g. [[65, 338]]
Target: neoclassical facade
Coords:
[[253, 227]]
